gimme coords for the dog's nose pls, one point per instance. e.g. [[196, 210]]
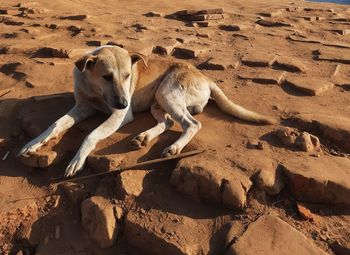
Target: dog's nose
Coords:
[[120, 102]]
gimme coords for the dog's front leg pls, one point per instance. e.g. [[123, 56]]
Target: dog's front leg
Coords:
[[78, 113], [112, 124]]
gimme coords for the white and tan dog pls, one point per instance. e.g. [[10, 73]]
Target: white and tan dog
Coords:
[[112, 80]]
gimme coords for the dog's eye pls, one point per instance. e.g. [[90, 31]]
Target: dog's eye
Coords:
[[108, 77], [126, 76]]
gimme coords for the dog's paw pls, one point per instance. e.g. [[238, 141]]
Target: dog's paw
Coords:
[[171, 150], [140, 141], [75, 166], [30, 148]]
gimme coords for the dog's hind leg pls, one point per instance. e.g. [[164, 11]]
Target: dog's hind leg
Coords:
[[172, 99], [164, 123], [78, 113]]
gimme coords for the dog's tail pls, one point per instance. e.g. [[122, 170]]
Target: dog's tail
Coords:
[[235, 110]]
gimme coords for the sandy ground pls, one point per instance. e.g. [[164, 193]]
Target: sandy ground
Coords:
[[31, 211]]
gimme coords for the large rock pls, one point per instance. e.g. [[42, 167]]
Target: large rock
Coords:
[[320, 180], [206, 178], [258, 58], [161, 233], [271, 235], [99, 221], [333, 128], [264, 76]]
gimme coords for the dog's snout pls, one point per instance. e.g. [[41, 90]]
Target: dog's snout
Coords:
[[120, 102]]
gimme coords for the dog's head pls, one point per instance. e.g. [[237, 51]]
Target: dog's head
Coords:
[[109, 73]]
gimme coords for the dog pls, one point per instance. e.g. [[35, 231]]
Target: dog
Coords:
[[119, 83]]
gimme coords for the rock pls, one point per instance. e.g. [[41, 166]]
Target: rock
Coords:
[[309, 85], [333, 56], [307, 142], [75, 17], [203, 17], [41, 158], [166, 233], [319, 180], [130, 183], [187, 39], [341, 31], [98, 43], [99, 221], [208, 179], [270, 179], [104, 163], [154, 14], [340, 249], [305, 213], [272, 23], [221, 63], [263, 76], [190, 52], [203, 35], [287, 136], [271, 13], [51, 52], [75, 29], [278, 238], [289, 64], [333, 128], [258, 58], [75, 192], [166, 46], [209, 23], [230, 28], [255, 144], [190, 14]]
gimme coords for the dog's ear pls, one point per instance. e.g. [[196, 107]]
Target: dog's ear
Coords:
[[135, 57], [86, 62]]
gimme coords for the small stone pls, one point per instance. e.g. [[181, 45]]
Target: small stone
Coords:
[[221, 63], [272, 23], [154, 14], [203, 35], [305, 213], [130, 183], [99, 221], [41, 159], [255, 144], [258, 58], [307, 142], [271, 13], [187, 39], [341, 31], [104, 163], [309, 85], [209, 23], [289, 64], [75, 17], [270, 179], [75, 29], [190, 52], [263, 76], [287, 136], [166, 46], [230, 28]]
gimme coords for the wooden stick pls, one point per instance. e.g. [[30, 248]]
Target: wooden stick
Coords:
[[137, 165]]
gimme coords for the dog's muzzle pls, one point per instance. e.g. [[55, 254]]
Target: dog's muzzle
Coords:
[[120, 102]]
